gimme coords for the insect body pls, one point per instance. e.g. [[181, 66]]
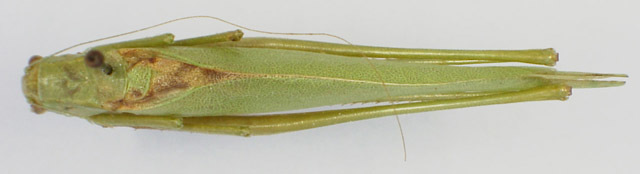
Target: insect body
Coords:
[[210, 84]]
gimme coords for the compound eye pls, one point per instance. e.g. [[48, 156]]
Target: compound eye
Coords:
[[94, 59]]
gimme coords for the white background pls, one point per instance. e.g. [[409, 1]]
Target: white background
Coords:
[[596, 131]]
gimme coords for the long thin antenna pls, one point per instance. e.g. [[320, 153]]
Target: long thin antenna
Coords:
[[193, 17], [404, 147]]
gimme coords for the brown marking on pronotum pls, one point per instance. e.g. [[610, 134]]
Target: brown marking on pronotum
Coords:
[[135, 55], [169, 77], [136, 52]]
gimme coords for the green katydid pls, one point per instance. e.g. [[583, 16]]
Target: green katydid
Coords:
[[217, 83]]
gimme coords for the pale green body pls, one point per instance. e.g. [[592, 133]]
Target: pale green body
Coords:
[[219, 80], [297, 80]]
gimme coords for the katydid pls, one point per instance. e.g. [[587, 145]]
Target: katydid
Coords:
[[218, 83]]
